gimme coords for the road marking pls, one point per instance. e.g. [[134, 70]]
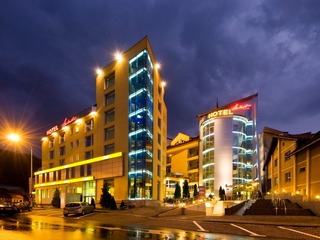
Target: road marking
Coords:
[[201, 228], [246, 230], [307, 234]]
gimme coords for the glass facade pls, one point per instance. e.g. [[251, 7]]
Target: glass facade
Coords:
[[229, 144], [140, 126]]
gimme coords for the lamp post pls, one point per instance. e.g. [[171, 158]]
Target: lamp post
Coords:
[[14, 137]]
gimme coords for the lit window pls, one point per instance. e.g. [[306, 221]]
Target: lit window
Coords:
[[51, 142], [276, 181], [109, 81], [62, 137], [89, 125], [109, 98], [71, 130], [287, 177]]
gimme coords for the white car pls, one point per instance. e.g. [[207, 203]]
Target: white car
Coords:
[[79, 208]]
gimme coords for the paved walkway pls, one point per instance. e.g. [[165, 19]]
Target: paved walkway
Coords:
[[200, 216]]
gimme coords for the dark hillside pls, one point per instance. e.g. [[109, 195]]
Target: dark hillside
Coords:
[[15, 168]]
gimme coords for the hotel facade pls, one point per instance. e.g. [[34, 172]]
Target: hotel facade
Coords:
[[121, 139], [228, 149]]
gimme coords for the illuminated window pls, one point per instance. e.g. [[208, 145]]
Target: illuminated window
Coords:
[[109, 116], [108, 149], [109, 133], [51, 155], [109, 81], [109, 98], [77, 128], [71, 130], [51, 142], [287, 177], [89, 125], [62, 137], [89, 141]]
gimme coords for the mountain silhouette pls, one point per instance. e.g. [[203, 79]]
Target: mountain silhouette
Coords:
[[15, 168]]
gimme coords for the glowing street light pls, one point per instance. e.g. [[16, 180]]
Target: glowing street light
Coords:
[[14, 137]]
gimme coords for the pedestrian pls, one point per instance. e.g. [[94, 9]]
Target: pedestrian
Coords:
[[93, 203]]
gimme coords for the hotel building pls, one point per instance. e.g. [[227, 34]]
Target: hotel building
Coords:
[[228, 149], [121, 139]]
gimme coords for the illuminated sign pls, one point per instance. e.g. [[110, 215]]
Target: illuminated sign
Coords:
[[218, 113], [51, 130], [241, 107], [68, 121]]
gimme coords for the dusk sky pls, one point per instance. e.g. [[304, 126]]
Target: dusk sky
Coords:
[[227, 49]]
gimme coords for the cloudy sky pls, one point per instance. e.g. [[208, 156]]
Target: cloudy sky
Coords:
[[226, 49]]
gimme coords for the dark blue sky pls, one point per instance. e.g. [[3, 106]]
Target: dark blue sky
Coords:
[[225, 49]]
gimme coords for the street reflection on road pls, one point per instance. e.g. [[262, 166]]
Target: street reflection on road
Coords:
[[41, 227]]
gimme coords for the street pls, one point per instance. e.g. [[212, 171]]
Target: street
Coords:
[[49, 224]]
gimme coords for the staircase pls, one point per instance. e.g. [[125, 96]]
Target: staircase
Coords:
[[277, 207]]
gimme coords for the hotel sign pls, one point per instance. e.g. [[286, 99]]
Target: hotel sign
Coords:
[[65, 123], [228, 112]]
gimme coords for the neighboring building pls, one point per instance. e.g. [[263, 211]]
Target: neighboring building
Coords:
[[182, 163], [292, 165], [265, 140], [121, 139], [228, 152]]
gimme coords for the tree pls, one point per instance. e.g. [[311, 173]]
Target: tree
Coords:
[[185, 189], [195, 191], [113, 204], [220, 193], [105, 198], [55, 202], [177, 191]]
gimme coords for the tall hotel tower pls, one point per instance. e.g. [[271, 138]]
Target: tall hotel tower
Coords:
[[121, 139], [228, 153]]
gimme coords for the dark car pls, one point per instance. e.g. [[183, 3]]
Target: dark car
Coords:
[[80, 208], [7, 208], [23, 206]]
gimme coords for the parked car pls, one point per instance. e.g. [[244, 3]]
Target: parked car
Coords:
[[80, 208], [7, 208], [23, 206]]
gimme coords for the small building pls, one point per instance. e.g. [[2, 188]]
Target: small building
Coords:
[[182, 163], [291, 164]]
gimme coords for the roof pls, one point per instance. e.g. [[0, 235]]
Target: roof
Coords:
[[300, 138], [228, 105], [314, 139]]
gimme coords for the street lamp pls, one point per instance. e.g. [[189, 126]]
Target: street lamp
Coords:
[[14, 137]]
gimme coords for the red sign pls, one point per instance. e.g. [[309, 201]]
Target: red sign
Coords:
[[68, 121], [241, 107]]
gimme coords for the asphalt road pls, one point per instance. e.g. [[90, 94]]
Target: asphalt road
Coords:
[[145, 223]]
